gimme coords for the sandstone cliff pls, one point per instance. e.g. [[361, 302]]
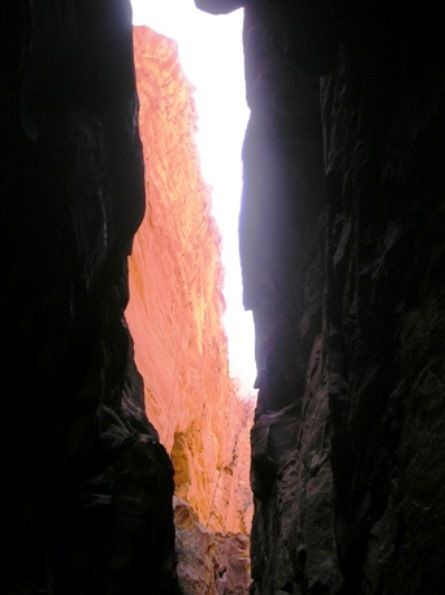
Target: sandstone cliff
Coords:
[[176, 304]]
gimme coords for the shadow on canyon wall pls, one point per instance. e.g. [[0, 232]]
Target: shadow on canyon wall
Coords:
[[343, 260]]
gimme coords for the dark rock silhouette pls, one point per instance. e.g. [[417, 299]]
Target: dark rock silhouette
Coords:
[[87, 487], [342, 246]]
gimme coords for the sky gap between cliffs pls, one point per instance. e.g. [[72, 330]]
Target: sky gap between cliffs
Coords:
[[211, 54]]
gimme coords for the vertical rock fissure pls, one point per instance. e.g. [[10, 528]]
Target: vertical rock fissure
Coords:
[[343, 263], [175, 317]]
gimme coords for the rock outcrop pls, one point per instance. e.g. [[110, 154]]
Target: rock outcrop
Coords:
[[176, 304], [86, 486], [343, 261], [210, 563]]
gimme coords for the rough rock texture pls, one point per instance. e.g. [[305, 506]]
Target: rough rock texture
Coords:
[[384, 124], [343, 256], [86, 486], [176, 304], [210, 563]]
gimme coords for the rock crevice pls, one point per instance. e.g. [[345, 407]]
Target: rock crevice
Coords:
[[175, 315]]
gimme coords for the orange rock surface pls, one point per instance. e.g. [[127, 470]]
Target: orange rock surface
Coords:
[[210, 563], [176, 304]]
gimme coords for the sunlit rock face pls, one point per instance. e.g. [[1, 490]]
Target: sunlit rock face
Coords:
[[342, 248], [176, 304], [86, 485]]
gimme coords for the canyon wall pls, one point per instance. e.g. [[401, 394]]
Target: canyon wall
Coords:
[[343, 260], [86, 486], [209, 562], [176, 305]]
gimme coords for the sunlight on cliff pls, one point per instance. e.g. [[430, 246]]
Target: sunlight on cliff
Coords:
[[176, 303], [176, 307], [211, 55]]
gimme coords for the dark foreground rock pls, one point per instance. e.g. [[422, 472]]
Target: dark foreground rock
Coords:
[[86, 487], [343, 260]]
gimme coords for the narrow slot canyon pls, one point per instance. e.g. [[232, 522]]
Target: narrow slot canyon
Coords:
[[126, 453], [175, 317]]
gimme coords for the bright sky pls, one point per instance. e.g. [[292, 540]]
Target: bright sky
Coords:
[[211, 55]]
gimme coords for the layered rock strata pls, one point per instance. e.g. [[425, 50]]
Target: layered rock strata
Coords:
[[343, 262], [86, 486]]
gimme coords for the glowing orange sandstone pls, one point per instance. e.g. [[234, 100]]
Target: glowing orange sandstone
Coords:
[[176, 303]]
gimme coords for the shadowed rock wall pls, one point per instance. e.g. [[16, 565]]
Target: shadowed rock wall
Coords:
[[343, 260], [86, 486], [383, 108], [342, 245]]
